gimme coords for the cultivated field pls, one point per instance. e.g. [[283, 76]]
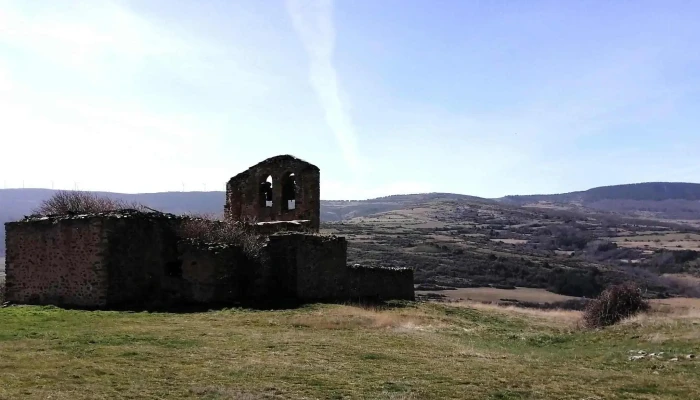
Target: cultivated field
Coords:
[[411, 351]]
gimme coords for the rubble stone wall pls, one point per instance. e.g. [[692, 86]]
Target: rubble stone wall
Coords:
[[314, 265], [57, 262], [375, 283], [141, 258], [215, 273]]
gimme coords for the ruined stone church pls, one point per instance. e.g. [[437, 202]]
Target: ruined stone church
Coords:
[[129, 258]]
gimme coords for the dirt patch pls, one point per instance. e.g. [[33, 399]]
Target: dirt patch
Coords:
[[510, 241]]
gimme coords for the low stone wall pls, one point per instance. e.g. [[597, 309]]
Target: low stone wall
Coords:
[[141, 258], [315, 265], [90, 260], [56, 261], [377, 283], [218, 273]]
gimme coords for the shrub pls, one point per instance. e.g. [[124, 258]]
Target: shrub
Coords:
[[207, 230], [70, 202], [614, 304]]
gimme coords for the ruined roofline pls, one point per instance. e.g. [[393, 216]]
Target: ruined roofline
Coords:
[[272, 160], [289, 222], [121, 213]]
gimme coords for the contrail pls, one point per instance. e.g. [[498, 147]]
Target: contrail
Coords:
[[313, 22]]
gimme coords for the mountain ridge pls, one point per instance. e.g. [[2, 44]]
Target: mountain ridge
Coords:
[[649, 191]]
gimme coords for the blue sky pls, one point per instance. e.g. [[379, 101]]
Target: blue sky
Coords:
[[485, 98]]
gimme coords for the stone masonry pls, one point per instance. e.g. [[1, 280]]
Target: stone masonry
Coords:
[[281, 188], [88, 260]]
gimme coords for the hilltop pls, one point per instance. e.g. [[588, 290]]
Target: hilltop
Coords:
[[667, 200]]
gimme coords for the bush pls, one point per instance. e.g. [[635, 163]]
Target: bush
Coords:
[[207, 230], [75, 202], [614, 304]]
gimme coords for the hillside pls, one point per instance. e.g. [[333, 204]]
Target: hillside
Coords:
[[665, 200], [652, 191], [461, 243]]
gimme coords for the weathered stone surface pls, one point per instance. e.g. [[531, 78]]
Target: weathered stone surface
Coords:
[[89, 260], [377, 283], [246, 192], [214, 273], [314, 264], [56, 262]]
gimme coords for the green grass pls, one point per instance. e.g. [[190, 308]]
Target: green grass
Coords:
[[336, 352]]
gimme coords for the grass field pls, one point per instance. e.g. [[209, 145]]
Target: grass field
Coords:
[[487, 294], [671, 241], [415, 351]]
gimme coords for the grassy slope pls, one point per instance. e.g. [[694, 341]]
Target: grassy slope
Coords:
[[329, 351]]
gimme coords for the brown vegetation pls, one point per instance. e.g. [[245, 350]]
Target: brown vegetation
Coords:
[[615, 304], [205, 229], [76, 202]]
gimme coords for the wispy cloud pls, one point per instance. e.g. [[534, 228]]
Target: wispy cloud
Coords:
[[313, 21]]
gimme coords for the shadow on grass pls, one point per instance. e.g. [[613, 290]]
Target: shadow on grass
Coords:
[[253, 305]]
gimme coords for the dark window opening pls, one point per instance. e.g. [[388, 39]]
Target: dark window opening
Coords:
[[174, 268], [266, 192], [289, 192]]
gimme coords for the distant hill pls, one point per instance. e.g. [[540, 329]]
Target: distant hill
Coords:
[[339, 210], [668, 200], [652, 191]]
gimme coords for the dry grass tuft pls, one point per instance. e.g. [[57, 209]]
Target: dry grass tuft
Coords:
[[347, 317], [554, 317], [222, 392]]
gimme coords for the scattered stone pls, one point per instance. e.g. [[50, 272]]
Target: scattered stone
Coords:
[[674, 359]]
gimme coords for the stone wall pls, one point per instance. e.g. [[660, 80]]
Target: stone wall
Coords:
[[219, 273], [56, 261], [141, 258], [133, 259], [313, 264], [378, 283], [244, 198]]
